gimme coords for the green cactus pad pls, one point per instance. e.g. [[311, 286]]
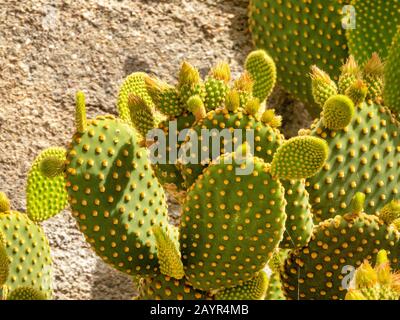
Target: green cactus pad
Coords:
[[274, 290], [216, 86], [299, 223], [4, 261], [365, 157], [162, 287], [392, 77], [290, 32], [4, 202], [266, 139], [190, 83], [350, 73], [26, 293], [115, 196], [253, 289], [322, 86], [29, 253], [338, 112], [230, 226], [45, 196], [377, 22], [167, 173], [132, 84], [374, 77], [317, 270], [168, 254], [165, 97], [357, 92], [143, 117], [262, 70], [299, 157]]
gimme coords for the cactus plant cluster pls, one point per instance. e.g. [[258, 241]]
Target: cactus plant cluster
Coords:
[[263, 217], [299, 34], [221, 247]]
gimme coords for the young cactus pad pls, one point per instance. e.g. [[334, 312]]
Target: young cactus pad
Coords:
[[300, 157], [133, 84], [45, 193], [253, 289], [378, 283]]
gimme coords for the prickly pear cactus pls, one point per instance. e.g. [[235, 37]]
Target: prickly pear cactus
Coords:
[[365, 155], [133, 84], [114, 194], [318, 270], [163, 287], [290, 31], [25, 259], [221, 244], [378, 283], [46, 194], [392, 77]]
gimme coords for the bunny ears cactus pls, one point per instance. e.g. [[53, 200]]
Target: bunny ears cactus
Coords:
[[289, 31], [25, 262]]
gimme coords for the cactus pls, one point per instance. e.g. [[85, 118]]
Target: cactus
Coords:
[[26, 293], [134, 84], [25, 259], [216, 86], [290, 31], [365, 154], [163, 287], [253, 289], [46, 194], [378, 283], [115, 195], [392, 77], [275, 290], [316, 271], [262, 70], [338, 112]]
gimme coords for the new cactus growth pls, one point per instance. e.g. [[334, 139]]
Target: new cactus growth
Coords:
[[46, 195], [291, 32], [253, 289], [338, 112], [378, 283], [216, 86], [262, 70], [133, 84]]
